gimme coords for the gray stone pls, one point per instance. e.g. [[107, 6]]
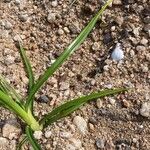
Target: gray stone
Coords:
[[70, 147], [107, 38], [51, 17], [9, 60], [17, 2], [64, 86], [144, 41], [100, 143], [8, 25], [23, 17], [7, 1], [43, 99], [140, 48]]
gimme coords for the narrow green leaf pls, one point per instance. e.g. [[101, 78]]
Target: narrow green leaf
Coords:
[[31, 139], [18, 110], [9, 90], [68, 51], [72, 105], [21, 143], [28, 67]]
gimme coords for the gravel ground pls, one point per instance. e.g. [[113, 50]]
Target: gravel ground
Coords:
[[45, 28]]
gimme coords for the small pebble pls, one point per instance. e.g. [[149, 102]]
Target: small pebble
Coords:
[[64, 86], [17, 2], [117, 2], [92, 120], [112, 101], [66, 30], [117, 53], [95, 46], [144, 41], [43, 99], [145, 68], [76, 143], [51, 17], [119, 20], [125, 103], [23, 17], [100, 143], [74, 28], [7, 1], [81, 124], [140, 48], [8, 25], [48, 134], [99, 103], [4, 143], [70, 147], [11, 129], [136, 32], [17, 38], [107, 38], [66, 135], [60, 32], [54, 3], [9, 60], [38, 134], [145, 109]]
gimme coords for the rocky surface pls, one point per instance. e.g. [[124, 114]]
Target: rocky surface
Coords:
[[45, 28]]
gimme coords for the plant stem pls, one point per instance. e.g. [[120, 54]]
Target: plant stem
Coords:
[[28, 118]]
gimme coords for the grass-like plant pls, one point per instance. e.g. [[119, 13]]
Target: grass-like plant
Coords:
[[12, 101]]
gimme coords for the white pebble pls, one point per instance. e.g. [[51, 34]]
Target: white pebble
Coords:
[[144, 41], [145, 109], [81, 124], [76, 142], [117, 53], [48, 134], [11, 129], [4, 143], [54, 3], [70, 147], [65, 135], [38, 134]]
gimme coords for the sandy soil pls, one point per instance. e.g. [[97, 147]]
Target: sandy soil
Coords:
[[45, 28]]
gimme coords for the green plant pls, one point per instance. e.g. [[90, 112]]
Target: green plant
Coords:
[[12, 101]]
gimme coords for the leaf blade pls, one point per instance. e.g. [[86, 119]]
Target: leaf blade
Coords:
[[68, 51], [31, 139], [21, 143], [27, 65], [9, 90], [72, 105]]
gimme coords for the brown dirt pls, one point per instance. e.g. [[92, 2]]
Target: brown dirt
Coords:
[[89, 69]]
